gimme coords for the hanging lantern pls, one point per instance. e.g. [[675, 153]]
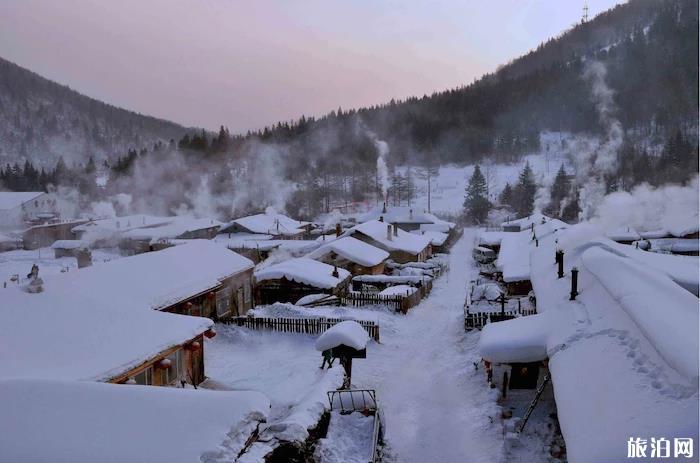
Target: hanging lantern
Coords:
[[210, 333], [193, 346], [164, 364]]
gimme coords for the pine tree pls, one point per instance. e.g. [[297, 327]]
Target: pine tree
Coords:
[[560, 188], [506, 196], [524, 200], [476, 204]]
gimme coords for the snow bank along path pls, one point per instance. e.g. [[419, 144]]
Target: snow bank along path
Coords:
[[436, 407]]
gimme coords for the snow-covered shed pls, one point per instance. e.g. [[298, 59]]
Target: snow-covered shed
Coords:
[[356, 256], [438, 239], [46, 421], [198, 278], [269, 223], [290, 280], [623, 355], [402, 246]]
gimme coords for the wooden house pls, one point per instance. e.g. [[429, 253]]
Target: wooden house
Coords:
[[408, 219], [401, 245], [40, 236], [355, 256], [293, 279], [146, 239], [199, 278], [278, 226], [97, 330]]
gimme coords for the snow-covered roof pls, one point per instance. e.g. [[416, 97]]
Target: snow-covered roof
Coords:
[[353, 250], [403, 241], [491, 238], [526, 222], [70, 331], [514, 257], [120, 224], [303, 270], [436, 238], [177, 227], [348, 333], [12, 199], [623, 234], [405, 214], [159, 279], [69, 244], [84, 422], [9, 239], [675, 245], [271, 223], [623, 356]]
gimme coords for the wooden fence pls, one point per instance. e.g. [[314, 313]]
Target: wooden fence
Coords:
[[299, 325], [477, 320], [399, 302]]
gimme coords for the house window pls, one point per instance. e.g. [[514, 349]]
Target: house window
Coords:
[[172, 373], [247, 292], [223, 302], [145, 377]]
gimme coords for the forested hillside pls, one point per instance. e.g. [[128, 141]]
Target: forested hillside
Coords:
[[41, 120], [644, 52]]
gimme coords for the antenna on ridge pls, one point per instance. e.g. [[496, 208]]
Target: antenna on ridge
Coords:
[[584, 17]]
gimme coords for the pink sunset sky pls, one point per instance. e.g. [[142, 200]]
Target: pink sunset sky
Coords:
[[246, 64]]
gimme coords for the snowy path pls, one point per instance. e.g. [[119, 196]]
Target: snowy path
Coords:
[[436, 407]]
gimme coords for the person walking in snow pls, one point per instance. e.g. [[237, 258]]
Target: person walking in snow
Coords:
[[327, 358]]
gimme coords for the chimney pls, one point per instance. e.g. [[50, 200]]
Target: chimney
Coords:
[[338, 229], [560, 263], [396, 230], [388, 232], [410, 214], [381, 218], [335, 272], [384, 208], [574, 284]]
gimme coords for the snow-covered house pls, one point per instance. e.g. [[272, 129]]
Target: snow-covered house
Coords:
[[514, 254], [356, 256], [408, 219], [279, 226], [43, 235], [524, 223], [19, 208], [73, 332], [177, 228], [45, 421], [290, 280], [402, 246], [622, 350], [197, 278], [108, 232]]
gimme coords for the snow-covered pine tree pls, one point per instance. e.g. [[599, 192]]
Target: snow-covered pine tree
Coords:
[[476, 204]]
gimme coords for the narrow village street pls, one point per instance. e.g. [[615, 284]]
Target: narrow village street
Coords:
[[436, 406]]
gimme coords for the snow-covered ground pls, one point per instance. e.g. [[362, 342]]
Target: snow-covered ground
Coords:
[[19, 262], [436, 406], [447, 189]]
